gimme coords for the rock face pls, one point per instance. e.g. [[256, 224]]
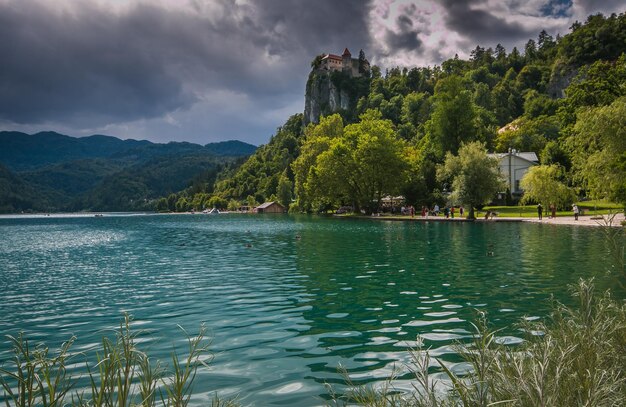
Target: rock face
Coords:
[[323, 97], [560, 79]]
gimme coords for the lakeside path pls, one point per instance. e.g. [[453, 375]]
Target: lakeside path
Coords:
[[599, 220]]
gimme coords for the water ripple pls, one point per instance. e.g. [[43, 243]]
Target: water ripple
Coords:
[[284, 313]]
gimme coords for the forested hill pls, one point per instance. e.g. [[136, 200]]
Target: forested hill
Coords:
[[21, 151], [52, 172], [529, 99]]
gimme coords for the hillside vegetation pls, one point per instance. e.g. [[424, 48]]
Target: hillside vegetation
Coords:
[[563, 98], [48, 171]]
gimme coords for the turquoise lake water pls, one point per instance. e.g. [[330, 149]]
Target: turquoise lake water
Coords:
[[287, 299]]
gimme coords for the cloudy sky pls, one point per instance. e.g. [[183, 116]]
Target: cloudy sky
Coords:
[[212, 70]]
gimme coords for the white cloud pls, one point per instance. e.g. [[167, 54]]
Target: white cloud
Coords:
[[448, 27]]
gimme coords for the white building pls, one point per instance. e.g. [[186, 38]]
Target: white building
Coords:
[[513, 167]]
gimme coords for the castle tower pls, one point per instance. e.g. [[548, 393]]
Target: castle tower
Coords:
[[346, 61]]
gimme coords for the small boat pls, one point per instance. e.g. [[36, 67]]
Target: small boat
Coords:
[[213, 211]]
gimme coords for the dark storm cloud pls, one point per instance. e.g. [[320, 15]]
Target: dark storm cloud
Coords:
[[89, 65], [60, 66], [481, 26], [406, 38]]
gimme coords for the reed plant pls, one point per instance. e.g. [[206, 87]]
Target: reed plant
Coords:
[[615, 244], [121, 376], [577, 357]]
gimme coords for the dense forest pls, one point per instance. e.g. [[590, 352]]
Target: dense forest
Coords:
[[48, 172], [563, 98]]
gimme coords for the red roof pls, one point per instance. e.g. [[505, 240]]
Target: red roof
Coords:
[[332, 56], [346, 52]]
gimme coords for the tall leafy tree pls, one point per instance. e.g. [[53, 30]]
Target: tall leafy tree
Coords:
[[317, 140], [454, 117], [359, 167], [473, 174], [598, 146], [543, 184], [284, 190]]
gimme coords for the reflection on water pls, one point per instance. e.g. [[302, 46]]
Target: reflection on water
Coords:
[[284, 312]]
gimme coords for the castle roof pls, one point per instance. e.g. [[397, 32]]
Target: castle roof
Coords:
[[332, 56], [346, 52]]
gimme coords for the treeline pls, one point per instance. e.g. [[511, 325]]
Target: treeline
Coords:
[[563, 98]]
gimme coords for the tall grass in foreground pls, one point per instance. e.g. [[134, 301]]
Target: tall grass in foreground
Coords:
[[577, 358], [122, 375]]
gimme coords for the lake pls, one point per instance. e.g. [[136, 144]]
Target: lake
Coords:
[[287, 299]]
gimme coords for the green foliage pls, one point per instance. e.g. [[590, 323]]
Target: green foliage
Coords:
[[574, 359], [358, 164], [598, 84], [543, 184], [122, 374], [18, 195], [284, 191], [260, 174], [453, 120], [599, 38], [106, 174], [214, 202], [528, 134], [538, 104], [554, 153], [473, 175], [598, 146]]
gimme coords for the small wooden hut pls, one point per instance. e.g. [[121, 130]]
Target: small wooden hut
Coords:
[[270, 207]]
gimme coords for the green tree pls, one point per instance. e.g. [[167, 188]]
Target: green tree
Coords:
[[416, 109], [284, 191], [598, 147], [251, 202], [473, 174], [217, 202], [528, 135], [316, 140], [362, 63], [454, 117], [182, 204], [554, 153], [233, 205], [543, 184], [161, 205], [360, 167]]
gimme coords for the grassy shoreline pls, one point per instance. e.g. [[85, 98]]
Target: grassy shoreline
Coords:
[[594, 213]]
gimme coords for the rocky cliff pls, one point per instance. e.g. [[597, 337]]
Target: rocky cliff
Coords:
[[332, 92], [560, 78], [323, 97]]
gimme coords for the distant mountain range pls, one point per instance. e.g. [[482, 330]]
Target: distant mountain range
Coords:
[[49, 171]]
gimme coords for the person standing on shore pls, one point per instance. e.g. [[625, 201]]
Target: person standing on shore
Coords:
[[576, 211], [553, 211], [436, 210], [540, 211], [461, 210]]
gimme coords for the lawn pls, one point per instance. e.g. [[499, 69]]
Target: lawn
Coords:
[[530, 211]]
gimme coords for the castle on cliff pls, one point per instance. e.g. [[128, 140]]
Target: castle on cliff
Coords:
[[344, 63]]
